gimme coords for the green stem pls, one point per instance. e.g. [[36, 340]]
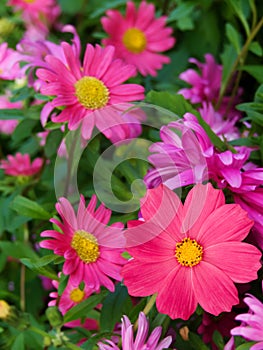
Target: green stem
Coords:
[[240, 59], [23, 275], [147, 309], [39, 331]]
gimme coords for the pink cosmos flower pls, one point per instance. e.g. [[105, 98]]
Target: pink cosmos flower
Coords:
[[92, 94], [252, 323], [20, 165], [206, 85], [91, 249], [140, 342], [194, 253], [72, 296], [9, 66], [139, 37]]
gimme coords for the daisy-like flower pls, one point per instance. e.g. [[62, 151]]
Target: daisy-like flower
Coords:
[[193, 254], [252, 323], [92, 249], [140, 342], [20, 165], [88, 92], [72, 296], [139, 37]]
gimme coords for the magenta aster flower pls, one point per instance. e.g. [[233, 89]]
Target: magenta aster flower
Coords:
[[252, 323], [89, 93], [193, 254], [20, 165], [139, 37], [9, 66], [140, 342], [91, 249], [206, 85], [72, 296]]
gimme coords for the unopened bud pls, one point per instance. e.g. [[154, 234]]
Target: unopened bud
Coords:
[[54, 316]]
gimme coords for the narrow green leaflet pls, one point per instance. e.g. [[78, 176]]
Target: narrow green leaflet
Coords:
[[6, 114], [83, 308], [18, 250], [234, 37], [28, 208], [256, 71]]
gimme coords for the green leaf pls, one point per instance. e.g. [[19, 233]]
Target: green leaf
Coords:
[[23, 130], [89, 344], [28, 208], [18, 249], [256, 48], [182, 14], [228, 58], [21, 94], [84, 307], [39, 267], [19, 343], [234, 37], [196, 342], [114, 307], [103, 5], [71, 7], [238, 9], [218, 340], [256, 71], [174, 103], [53, 142], [6, 114], [245, 346]]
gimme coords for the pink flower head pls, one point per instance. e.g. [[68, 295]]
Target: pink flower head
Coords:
[[194, 254], [72, 296], [40, 14], [140, 342], [91, 249], [34, 53], [206, 85], [139, 37], [252, 323], [9, 63], [20, 165], [89, 93]]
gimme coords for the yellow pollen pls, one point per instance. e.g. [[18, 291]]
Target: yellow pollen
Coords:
[[86, 246], [188, 252], [91, 93], [77, 295], [4, 309], [134, 40]]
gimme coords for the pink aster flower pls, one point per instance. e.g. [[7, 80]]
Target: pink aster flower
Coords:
[[92, 94], [9, 63], [92, 249], [20, 165], [40, 14], [139, 37], [206, 85], [140, 342], [251, 327], [72, 296], [193, 254]]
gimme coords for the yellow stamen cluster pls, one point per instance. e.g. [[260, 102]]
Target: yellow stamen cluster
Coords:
[[4, 309], [91, 93], [29, 1], [86, 246], [188, 252], [134, 40], [77, 295]]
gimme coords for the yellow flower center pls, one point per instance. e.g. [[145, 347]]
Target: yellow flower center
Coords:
[[134, 40], [91, 93], [77, 295], [188, 252], [4, 309], [86, 246], [29, 1]]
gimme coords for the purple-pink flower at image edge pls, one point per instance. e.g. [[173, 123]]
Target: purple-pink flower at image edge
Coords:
[[9, 63], [251, 327], [140, 342]]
